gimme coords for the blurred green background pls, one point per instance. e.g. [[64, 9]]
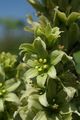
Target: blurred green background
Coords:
[[13, 14]]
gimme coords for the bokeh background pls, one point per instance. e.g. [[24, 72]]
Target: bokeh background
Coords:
[[13, 15]]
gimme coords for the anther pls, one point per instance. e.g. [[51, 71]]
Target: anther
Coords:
[[40, 69], [36, 67], [45, 66], [40, 60]]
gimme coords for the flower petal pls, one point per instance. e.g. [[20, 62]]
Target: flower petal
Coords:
[[43, 100], [52, 72], [31, 73], [1, 105], [41, 79], [40, 47], [11, 97]]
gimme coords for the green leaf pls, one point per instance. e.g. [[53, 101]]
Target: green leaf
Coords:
[[77, 67], [40, 47], [73, 17], [51, 90], [73, 34], [66, 109], [52, 72], [67, 116], [62, 16], [26, 47], [11, 97], [1, 105], [43, 100], [61, 97], [31, 73], [76, 57], [41, 79], [69, 79], [40, 116], [69, 108]]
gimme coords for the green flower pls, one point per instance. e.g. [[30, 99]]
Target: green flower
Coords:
[[38, 103], [44, 30], [41, 64], [7, 60], [7, 89]]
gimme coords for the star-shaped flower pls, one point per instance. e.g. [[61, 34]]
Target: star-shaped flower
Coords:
[[41, 64], [7, 89]]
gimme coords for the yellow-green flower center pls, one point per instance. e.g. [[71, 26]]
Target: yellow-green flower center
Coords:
[[40, 69], [37, 67], [41, 64], [2, 90]]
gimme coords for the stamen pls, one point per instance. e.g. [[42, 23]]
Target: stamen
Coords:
[[45, 60], [40, 60], [40, 69], [36, 67], [45, 66]]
